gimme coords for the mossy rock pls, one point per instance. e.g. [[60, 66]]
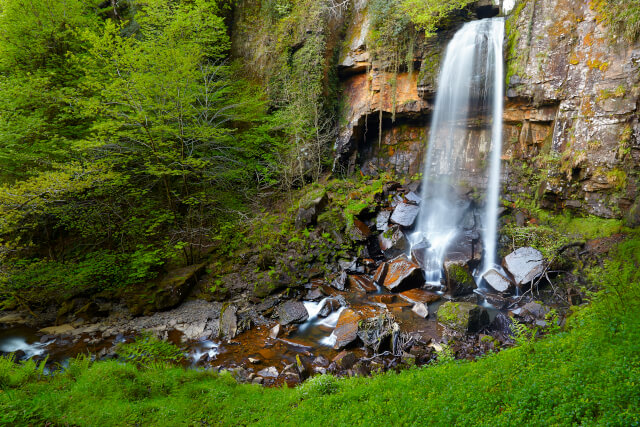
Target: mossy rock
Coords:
[[462, 317], [459, 279], [165, 293]]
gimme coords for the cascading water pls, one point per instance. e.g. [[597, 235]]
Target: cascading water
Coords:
[[470, 87]]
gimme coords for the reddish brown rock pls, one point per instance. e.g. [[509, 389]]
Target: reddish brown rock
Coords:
[[381, 273], [403, 274], [384, 298], [419, 295], [361, 282], [344, 359], [346, 330]]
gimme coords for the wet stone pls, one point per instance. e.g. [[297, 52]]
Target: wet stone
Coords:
[[421, 310], [381, 273], [314, 294], [535, 310], [344, 360], [329, 306], [462, 317], [382, 220], [405, 214], [393, 242], [358, 231], [292, 312], [525, 265], [458, 278], [419, 295], [320, 361], [497, 281], [362, 283], [412, 197], [270, 372], [420, 253], [346, 330], [339, 281], [228, 322], [273, 332], [403, 274]]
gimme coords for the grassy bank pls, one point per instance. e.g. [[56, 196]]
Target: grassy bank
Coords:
[[589, 373]]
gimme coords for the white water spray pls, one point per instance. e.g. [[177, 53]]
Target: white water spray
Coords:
[[470, 85], [490, 236]]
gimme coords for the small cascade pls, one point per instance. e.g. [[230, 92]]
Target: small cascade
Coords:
[[469, 97], [204, 347], [14, 344], [321, 323]]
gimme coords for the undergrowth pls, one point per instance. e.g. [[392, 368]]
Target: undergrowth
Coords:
[[586, 374]]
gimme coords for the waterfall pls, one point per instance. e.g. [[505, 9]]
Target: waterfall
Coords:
[[470, 87], [490, 235]]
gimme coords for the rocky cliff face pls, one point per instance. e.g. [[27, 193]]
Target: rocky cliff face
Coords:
[[388, 107], [571, 120], [571, 132]]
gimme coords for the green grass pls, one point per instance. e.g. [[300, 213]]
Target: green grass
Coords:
[[589, 374]]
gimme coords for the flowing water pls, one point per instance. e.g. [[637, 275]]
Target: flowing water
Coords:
[[470, 92]]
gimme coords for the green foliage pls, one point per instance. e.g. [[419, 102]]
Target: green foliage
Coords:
[[122, 129], [15, 374], [98, 271], [428, 14], [39, 81], [445, 355], [147, 351], [618, 282], [523, 335], [621, 16], [320, 385], [548, 232]]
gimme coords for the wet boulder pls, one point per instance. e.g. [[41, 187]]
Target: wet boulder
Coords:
[[420, 253], [419, 296], [412, 197], [362, 283], [380, 274], [525, 265], [344, 360], [458, 278], [465, 248], [534, 311], [503, 325], [346, 330], [229, 322], [382, 220], [402, 274], [497, 300], [420, 309], [405, 214], [314, 294], [329, 306], [339, 281], [497, 281], [164, 293], [292, 312], [393, 242], [462, 317]]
